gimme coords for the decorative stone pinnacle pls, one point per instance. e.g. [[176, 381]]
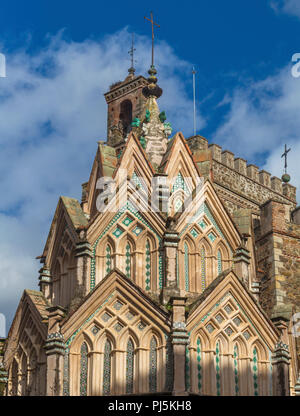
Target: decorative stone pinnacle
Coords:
[[152, 89]]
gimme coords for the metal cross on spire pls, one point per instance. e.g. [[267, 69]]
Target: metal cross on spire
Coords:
[[152, 24], [286, 150], [131, 53]]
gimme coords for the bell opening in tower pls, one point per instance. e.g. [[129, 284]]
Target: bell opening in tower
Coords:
[[126, 115]]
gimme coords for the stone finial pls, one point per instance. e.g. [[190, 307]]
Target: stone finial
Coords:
[[241, 260], [152, 89], [160, 193], [45, 282], [155, 132]]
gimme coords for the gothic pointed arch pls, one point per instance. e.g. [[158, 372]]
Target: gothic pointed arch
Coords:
[[105, 257], [187, 264], [127, 248], [106, 335]]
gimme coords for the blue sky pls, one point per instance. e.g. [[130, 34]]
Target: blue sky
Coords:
[[63, 55]]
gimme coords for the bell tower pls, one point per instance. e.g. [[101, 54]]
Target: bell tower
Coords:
[[125, 102]]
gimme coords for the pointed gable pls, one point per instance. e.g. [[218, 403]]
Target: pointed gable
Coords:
[[206, 203], [135, 159], [31, 315], [227, 306]]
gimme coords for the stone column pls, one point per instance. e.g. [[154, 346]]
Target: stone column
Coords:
[[142, 361], [297, 387], [281, 364], [180, 339], [281, 359], [3, 379], [55, 349], [45, 282], [82, 276], [118, 372], [19, 381], [95, 373], [170, 251], [228, 373], [83, 254]]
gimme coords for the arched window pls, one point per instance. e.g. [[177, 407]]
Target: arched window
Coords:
[[126, 114], [107, 368], [148, 266], [128, 261], [83, 369], [203, 269], [108, 259], [236, 370], [14, 378], [218, 375], [186, 266], [153, 365], [199, 365], [129, 367], [24, 375], [255, 371], [219, 256]]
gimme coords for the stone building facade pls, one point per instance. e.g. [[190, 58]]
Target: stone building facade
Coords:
[[177, 273]]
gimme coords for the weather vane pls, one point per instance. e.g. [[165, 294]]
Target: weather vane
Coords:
[[131, 51], [285, 177], [152, 24]]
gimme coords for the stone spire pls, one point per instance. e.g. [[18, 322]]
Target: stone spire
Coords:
[[154, 130]]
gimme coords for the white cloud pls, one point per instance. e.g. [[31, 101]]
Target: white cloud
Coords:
[[263, 116], [52, 112], [291, 7]]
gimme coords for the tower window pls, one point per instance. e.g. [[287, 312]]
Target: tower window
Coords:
[[126, 114]]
